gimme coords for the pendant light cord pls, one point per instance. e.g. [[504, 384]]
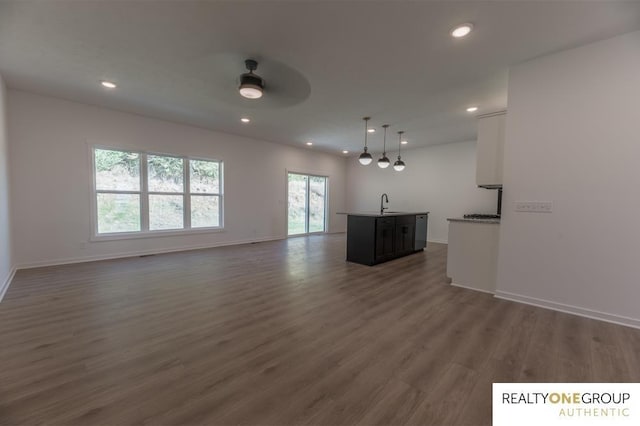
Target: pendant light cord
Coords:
[[400, 143], [366, 130], [384, 143]]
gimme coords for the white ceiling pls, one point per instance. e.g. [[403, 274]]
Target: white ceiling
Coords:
[[326, 63]]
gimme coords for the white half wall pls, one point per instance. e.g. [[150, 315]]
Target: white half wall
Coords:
[[51, 179], [572, 138], [6, 258], [440, 179]]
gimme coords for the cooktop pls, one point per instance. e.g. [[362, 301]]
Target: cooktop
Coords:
[[481, 216]]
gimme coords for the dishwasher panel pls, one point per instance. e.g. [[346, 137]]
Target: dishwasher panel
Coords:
[[421, 231]]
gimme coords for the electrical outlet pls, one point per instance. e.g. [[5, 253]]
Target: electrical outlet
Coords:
[[545, 207], [534, 206]]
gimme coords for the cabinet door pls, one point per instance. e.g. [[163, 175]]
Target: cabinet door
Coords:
[[361, 239], [385, 230], [489, 151], [405, 235]]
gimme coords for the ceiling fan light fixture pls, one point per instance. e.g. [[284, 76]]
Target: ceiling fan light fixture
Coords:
[[249, 90], [251, 85]]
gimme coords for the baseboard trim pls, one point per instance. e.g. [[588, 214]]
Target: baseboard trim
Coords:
[[68, 261], [569, 309], [439, 241], [7, 283], [472, 288]]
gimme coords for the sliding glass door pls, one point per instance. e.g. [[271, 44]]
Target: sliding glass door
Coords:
[[317, 203], [298, 201], [307, 204]]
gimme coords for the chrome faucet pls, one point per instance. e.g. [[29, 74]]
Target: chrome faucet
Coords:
[[383, 197]]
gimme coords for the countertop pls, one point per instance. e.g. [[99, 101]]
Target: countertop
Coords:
[[464, 219], [386, 214]]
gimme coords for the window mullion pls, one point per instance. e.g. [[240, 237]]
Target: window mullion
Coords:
[[114, 191], [220, 192], [144, 196], [187, 194], [326, 206], [165, 193], [306, 224]]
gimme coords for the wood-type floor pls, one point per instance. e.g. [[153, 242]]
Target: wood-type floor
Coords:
[[280, 333]]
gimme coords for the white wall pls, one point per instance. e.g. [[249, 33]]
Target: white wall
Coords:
[[440, 179], [573, 138], [6, 260], [51, 179]]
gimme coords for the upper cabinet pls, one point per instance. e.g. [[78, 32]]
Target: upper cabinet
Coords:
[[490, 149]]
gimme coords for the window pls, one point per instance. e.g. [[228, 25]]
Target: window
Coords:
[[137, 192], [204, 193], [117, 176], [307, 203]]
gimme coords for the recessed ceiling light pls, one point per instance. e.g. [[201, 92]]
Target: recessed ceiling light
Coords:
[[108, 84], [461, 30], [404, 142], [371, 130], [245, 120], [345, 151], [472, 109], [309, 143]]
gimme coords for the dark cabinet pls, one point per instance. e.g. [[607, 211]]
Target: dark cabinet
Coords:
[[405, 234], [375, 239], [385, 238]]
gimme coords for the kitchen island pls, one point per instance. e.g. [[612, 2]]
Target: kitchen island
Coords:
[[374, 238]]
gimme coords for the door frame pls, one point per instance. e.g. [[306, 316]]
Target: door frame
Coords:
[[286, 204]]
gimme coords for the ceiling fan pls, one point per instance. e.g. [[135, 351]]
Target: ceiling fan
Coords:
[[249, 81], [251, 85]]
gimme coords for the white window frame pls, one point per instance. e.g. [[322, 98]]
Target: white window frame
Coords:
[[144, 193]]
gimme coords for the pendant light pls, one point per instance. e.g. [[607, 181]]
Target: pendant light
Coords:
[[365, 158], [399, 164], [384, 162]]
